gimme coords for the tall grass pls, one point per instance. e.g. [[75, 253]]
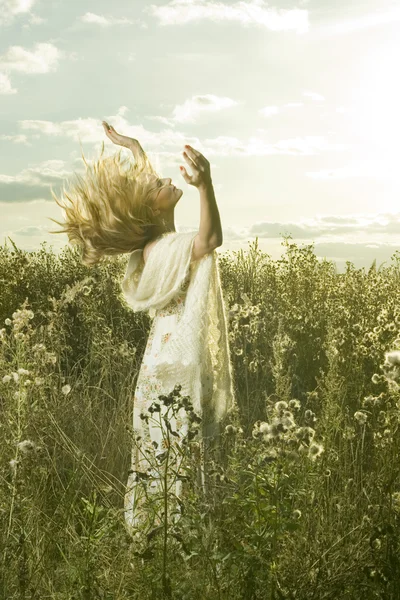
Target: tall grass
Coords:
[[304, 495]]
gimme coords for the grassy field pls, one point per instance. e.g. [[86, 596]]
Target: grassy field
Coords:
[[306, 501]]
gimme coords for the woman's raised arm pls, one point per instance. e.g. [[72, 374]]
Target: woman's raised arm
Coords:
[[127, 142]]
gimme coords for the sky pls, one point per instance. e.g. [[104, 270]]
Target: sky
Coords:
[[295, 105]]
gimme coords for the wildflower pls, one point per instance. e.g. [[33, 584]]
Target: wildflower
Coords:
[[6, 378], [309, 415], [360, 417], [393, 357], [39, 347], [15, 376], [8, 321], [28, 382], [19, 336], [294, 403], [230, 429], [396, 502], [281, 405], [315, 450], [23, 372], [66, 389], [26, 446], [256, 430], [264, 427], [39, 380]]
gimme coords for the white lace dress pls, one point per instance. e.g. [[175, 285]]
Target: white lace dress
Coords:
[[148, 388]]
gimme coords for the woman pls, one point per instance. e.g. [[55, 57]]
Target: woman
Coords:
[[174, 276]]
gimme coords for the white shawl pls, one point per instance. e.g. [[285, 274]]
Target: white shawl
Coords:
[[151, 286]]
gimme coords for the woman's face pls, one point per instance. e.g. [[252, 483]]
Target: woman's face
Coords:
[[165, 196]]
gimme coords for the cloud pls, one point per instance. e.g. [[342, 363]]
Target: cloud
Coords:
[[5, 85], [90, 130], [257, 13], [269, 111], [322, 226], [9, 9], [192, 108], [369, 168], [31, 230], [314, 96], [94, 19], [33, 183], [16, 139], [42, 59], [365, 21]]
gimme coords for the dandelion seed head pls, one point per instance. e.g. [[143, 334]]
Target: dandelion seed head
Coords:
[[26, 446], [360, 417], [230, 429], [23, 371], [393, 357], [295, 404], [315, 450], [280, 406]]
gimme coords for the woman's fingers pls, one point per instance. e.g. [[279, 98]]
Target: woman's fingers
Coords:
[[190, 161], [195, 154], [185, 174]]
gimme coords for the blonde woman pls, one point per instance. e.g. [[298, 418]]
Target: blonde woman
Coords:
[[175, 278]]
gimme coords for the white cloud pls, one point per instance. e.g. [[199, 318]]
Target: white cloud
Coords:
[[269, 111], [16, 139], [103, 21], [193, 107], [5, 85], [365, 21], [257, 12], [90, 130], [374, 169], [314, 96], [42, 59], [9, 9], [43, 174]]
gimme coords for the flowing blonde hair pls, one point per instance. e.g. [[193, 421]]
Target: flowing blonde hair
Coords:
[[108, 210]]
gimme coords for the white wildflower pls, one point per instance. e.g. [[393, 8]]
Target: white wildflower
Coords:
[[23, 371], [361, 417], [8, 321], [66, 389], [26, 446], [281, 405], [315, 450], [15, 376], [7, 378]]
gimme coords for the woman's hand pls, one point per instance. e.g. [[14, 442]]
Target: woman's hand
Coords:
[[200, 166], [117, 138]]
